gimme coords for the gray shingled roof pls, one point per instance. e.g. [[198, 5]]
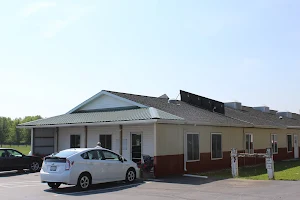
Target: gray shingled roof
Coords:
[[188, 112], [271, 116], [233, 117], [252, 118], [111, 116]]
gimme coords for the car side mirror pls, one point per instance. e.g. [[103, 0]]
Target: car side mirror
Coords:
[[121, 159]]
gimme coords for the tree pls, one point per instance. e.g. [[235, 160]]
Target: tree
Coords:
[[10, 134], [5, 125], [26, 133]]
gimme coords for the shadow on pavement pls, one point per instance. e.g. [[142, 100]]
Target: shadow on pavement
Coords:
[[13, 173], [95, 189], [187, 180]]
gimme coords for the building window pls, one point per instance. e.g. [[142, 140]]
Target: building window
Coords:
[[216, 146], [193, 153], [249, 144], [74, 141], [105, 141], [289, 143], [274, 143]]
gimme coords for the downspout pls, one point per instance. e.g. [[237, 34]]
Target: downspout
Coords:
[[184, 151], [32, 141], [57, 140], [121, 139], [86, 135]]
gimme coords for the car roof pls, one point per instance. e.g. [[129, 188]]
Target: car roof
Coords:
[[84, 149]]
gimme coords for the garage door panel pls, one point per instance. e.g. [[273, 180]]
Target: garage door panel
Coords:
[[44, 150], [44, 142], [44, 132]]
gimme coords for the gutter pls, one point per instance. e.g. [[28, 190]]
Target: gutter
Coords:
[[159, 121], [150, 121], [195, 123], [294, 127]]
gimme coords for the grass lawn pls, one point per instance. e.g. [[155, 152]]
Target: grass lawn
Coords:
[[284, 170], [22, 148]]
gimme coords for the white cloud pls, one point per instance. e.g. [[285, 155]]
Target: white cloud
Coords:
[[35, 7]]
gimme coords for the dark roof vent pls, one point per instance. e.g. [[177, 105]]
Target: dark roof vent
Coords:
[[173, 101]]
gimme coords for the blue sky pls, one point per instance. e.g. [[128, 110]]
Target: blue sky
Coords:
[[56, 54]]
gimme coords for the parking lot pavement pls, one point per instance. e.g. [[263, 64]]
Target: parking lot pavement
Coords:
[[27, 186]]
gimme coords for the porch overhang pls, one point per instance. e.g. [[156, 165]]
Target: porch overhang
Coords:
[[134, 122]]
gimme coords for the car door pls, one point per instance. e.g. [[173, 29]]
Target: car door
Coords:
[[16, 160], [3, 160], [95, 165], [114, 166]]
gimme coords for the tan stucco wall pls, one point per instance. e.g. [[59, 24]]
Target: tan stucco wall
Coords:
[[169, 137], [262, 137]]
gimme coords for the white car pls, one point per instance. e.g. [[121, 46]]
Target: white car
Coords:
[[86, 166]]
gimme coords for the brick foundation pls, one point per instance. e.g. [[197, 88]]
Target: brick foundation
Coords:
[[174, 164]]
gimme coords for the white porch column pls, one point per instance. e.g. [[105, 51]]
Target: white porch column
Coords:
[[32, 138]]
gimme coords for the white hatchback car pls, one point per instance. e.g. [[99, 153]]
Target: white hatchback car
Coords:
[[86, 166]]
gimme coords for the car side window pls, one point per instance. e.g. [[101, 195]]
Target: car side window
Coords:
[[92, 155], [3, 154], [110, 156], [13, 153]]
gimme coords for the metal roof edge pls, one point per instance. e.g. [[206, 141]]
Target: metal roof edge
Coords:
[[294, 127], [148, 121], [196, 123]]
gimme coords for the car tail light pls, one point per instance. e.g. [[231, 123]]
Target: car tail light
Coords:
[[68, 165]]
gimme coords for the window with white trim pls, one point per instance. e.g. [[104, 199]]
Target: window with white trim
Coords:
[[193, 146], [249, 143], [216, 146], [274, 143], [289, 143]]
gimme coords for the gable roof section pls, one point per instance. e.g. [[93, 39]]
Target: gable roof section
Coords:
[[92, 104], [102, 117]]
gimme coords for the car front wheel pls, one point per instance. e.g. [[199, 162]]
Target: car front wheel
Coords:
[[34, 166], [130, 176], [54, 185]]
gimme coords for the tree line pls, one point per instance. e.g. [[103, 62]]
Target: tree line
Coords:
[[10, 134]]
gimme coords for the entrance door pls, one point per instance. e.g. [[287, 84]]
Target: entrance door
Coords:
[[296, 147], [136, 147]]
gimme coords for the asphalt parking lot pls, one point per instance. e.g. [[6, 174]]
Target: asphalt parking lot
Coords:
[[27, 186]]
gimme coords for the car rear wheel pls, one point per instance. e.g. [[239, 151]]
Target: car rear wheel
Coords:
[[34, 166], [130, 176], [84, 181], [54, 185]]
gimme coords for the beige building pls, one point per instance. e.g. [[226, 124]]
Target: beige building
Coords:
[[193, 134]]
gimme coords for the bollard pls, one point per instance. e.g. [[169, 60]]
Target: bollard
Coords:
[[234, 163], [270, 164]]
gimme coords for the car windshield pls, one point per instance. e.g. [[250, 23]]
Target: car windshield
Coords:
[[64, 154]]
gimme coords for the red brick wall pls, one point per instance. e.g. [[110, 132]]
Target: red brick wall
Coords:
[[168, 165], [173, 165]]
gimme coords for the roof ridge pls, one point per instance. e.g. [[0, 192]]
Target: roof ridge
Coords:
[[130, 94]]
